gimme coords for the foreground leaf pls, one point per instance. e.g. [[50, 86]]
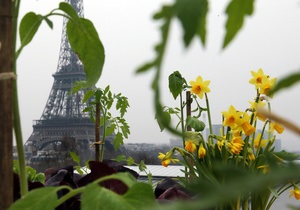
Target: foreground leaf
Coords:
[[75, 157], [163, 120], [236, 12], [286, 82], [140, 195], [192, 15], [68, 9], [86, 43], [36, 199], [29, 25]]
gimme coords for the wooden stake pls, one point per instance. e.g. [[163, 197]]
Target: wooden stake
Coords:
[[188, 107], [6, 104]]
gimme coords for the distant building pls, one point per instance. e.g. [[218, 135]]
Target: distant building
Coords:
[[215, 130], [176, 142], [277, 144], [140, 147]]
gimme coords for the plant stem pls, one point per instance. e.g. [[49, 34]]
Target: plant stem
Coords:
[[188, 107], [269, 132], [182, 119], [183, 131], [103, 136], [280, 191], [97, 132], [238, 203], [259, 148], [210, 141], [17, 120]]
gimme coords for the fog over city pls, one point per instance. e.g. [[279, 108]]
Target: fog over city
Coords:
[[270, 39]]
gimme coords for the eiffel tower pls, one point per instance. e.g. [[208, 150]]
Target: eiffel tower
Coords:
[[63, 116]]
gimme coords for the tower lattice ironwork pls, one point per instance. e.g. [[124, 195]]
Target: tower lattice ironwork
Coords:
[[63, 114]]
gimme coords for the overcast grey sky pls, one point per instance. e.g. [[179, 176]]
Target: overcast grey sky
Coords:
[[270, 40]]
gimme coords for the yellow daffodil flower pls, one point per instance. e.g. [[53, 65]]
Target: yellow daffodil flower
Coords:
[[235, 147], [295, 192], [277, 127], [201, 151], [266, 85], [257, 78], [251, 156], [166, 159], [220, 144], [236, 144], [243, 122], [238, 139], [199, 87], [254, 106], [190, 146], [258, 142], [265, 168], [231, 117]]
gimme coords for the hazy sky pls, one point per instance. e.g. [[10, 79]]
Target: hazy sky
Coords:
[[270, 40]]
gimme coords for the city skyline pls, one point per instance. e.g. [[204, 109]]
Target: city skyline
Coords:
[[267, 41]]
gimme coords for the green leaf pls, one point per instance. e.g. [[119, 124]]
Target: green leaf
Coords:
[[139, 195], [40, 177], [118, 140], [125, 177], [49, 22], [29, 25], [16, 166], [176, 82], [173, 111], [98, 95], [122, 104], [124, 127], [286, 82], [75, 157], [194, 136], [36, 199], [68, 9], [88, 94], [130, 161], [106, 89], [165, 119], [31, 172], [142, 166], [110, 130], [78, 85], [194, 123], [78, 169], [288, 156], [236, 12], [86, 43], [120, 158], [192, 15], [145, 67]]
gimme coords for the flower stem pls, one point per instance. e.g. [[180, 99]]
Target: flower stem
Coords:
[[269, 132], [16, 111], [182, 119], [103, 137], [210, 140], [97, 132], [258, 146]]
